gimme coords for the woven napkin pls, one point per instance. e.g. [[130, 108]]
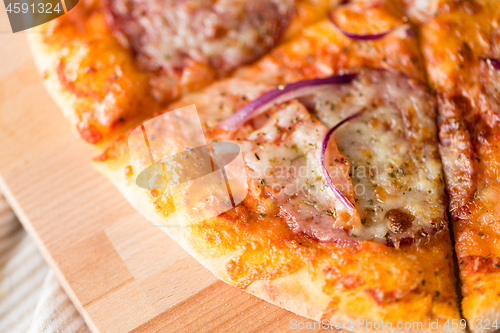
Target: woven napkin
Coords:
[[31, 298]]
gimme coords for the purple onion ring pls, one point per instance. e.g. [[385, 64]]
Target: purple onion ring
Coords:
[[495, 62], [328, 134], [280, 95], [357, 36]]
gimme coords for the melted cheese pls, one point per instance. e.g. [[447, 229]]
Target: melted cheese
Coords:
[[392, 146], [283, 157], [387, 166]]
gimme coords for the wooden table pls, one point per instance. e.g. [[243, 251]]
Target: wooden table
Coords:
[[122, 273]]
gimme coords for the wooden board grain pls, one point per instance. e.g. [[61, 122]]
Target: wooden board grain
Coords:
[[122, 273]]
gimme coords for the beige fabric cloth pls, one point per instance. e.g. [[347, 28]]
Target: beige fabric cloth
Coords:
[[31, 299]]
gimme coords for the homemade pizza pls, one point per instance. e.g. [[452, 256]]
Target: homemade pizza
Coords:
[[361, 126]]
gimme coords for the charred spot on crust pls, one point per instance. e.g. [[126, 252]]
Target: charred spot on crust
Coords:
[[439, 223], [399, 221]]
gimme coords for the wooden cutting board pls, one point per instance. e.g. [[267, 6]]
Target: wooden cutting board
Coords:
[[122, 273]]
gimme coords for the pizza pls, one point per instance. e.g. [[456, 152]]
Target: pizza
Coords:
[[307, 252], [362, 126], [460, 44], [108, 70]]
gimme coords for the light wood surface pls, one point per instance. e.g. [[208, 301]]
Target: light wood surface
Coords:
[[122, 273]]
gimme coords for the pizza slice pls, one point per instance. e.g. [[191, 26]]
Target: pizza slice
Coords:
[[110, 64], [345, 217], [461, 47]]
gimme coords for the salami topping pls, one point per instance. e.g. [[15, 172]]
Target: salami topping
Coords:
[[168, 35]]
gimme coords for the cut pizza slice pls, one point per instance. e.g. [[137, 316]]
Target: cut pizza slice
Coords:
[[461, 47], [110, 64], [338, 225]]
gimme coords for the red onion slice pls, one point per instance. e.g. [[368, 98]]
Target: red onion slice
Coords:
[[495, 62], [334, 188], [280, 95], [357, 36]]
